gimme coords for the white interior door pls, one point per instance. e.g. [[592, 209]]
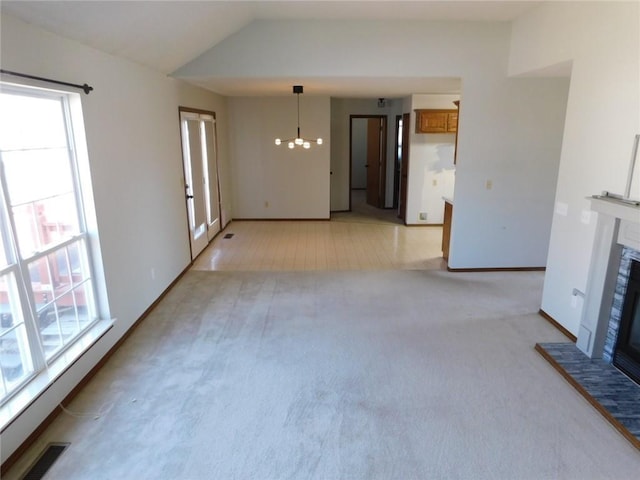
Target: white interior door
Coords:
[[201, 178]]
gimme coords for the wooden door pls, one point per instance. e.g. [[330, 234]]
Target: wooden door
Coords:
[[404, 168], [374, 161]]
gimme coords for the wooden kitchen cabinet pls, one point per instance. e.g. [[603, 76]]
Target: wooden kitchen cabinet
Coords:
[[436, 121], [452, 122], [455, 151]]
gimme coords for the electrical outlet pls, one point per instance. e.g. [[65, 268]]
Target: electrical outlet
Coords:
[[435, 182], [153, 274], [266, 204], [489, 184], [585, 217], [423, 215]]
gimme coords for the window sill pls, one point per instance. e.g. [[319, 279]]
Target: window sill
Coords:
[[29, 393]]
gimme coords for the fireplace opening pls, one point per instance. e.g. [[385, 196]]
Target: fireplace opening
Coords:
[[626, 355]]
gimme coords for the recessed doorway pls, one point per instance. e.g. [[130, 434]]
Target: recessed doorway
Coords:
[[368, 158]]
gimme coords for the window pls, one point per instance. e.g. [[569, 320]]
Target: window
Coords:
[[46, 283]]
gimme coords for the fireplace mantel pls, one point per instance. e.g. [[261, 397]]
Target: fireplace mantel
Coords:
[[618, 225]]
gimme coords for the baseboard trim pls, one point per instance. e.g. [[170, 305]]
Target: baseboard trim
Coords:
[[556, 324], [610, 418], [24, 446], [423, 224], [500, 269]]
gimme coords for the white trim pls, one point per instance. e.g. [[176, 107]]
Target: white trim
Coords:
[[37, 384]]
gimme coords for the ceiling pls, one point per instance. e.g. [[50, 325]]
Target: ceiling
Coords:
[[166, 34]]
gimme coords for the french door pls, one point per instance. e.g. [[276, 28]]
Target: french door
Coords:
[[200, 163]]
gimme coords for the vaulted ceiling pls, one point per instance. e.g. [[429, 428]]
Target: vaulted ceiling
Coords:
[[165, 35]]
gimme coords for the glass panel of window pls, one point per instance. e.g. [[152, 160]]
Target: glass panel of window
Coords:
[[15, 359], [43, 207], [62, 294], [3, 256], [33, 120]]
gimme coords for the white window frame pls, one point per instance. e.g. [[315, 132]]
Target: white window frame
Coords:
[[19, 266]]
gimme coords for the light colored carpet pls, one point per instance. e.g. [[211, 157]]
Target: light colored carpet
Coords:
[[339, 375]]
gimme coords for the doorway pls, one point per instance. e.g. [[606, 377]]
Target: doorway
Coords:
[[402, 163], [368, 158], [201, 184]]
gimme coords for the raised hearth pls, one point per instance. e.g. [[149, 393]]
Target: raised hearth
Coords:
[[612, 393]]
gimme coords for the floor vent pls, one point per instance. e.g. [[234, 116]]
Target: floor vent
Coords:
[[44, 462], [229, 235]]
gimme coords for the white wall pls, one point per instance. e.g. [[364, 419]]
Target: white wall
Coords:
[[510, 136], [431, 168], [272, 181], [133, 139], [341, 109], [602, 40], [507, 226]]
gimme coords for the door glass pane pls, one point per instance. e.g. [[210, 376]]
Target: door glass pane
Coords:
[[211, 172], [197, 179]]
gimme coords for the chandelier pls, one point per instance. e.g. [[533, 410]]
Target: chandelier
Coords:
[[298, 140]]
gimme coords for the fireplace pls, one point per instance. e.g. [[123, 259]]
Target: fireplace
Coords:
[[626, 355], [616, 244]]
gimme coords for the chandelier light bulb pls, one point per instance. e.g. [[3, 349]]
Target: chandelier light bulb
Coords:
[[319, 141], [299, 141], [306, 145], [278, 141], [291, 145]]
